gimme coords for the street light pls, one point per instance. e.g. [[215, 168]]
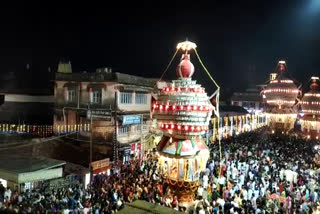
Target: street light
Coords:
[[90, 161]]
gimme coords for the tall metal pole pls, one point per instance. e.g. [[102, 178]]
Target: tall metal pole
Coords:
[[90, 164], [141, 137], [115, 140]]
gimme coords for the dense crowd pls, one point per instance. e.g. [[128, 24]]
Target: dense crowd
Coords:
[[259, 173], [262, 173]]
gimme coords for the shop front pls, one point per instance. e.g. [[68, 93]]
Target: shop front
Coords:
[[103, 166]]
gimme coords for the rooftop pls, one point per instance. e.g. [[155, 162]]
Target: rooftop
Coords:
[[21, 164], [106, 77]]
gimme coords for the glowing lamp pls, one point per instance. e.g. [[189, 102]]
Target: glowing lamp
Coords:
[[192, 128], [160, 107], [186, 45], [173, 107], [167, 107], [189, 108], [172, 126], [167, 126], [167, 89], [186, 128], [179, 127]]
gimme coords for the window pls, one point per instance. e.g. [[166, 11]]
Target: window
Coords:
[[125, 98], [124, 129], [71, 95], [96, 97], [141, 98]]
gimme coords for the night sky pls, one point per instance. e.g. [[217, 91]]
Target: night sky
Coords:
[[240, 42]]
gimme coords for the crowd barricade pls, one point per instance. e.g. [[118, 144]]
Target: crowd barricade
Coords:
[[227, 126]]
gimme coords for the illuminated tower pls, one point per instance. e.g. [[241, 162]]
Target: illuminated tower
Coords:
[[281, 95], [310, 105]]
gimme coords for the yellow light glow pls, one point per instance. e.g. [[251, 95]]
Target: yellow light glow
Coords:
[[311, 111], [281, 90], [272, 131], [314, 78], [273, 76], [186, 45], [312, 94], [280, 101]]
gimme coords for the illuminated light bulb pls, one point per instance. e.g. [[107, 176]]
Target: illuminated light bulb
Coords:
[[186, 128], [162, 126], [178, 89], [192, 128], [189, 108], [172, 126], [167, 107], [160, 107], [173, 107], [198, 128], [181, 107], [201, 108], [172, 89], [154, 106], [163, 89], [167, 126], [195, 108], [206, 108], [179, 127], [167, 89]]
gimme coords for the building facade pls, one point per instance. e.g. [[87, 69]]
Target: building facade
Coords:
[[118, 104], [250, 100]]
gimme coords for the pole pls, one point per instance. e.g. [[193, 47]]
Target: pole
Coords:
[[115, 140], [90, 164], [141, 137]]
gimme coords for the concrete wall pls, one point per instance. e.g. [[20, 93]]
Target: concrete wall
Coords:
[[28, 98]]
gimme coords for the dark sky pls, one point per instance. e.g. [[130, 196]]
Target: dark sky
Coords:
[[240, 42]]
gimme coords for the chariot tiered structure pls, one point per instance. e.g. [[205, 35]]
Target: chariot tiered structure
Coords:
[[310, 106], [183, 111], [280, 97]]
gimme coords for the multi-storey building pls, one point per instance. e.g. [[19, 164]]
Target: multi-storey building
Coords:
[[111, 99], [250, 100]]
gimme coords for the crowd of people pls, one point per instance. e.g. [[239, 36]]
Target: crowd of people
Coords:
[[262, 173], [258, 173]]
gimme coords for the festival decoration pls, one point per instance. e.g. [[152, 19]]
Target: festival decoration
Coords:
[[183, 111], [281, 96], [310, 105]]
